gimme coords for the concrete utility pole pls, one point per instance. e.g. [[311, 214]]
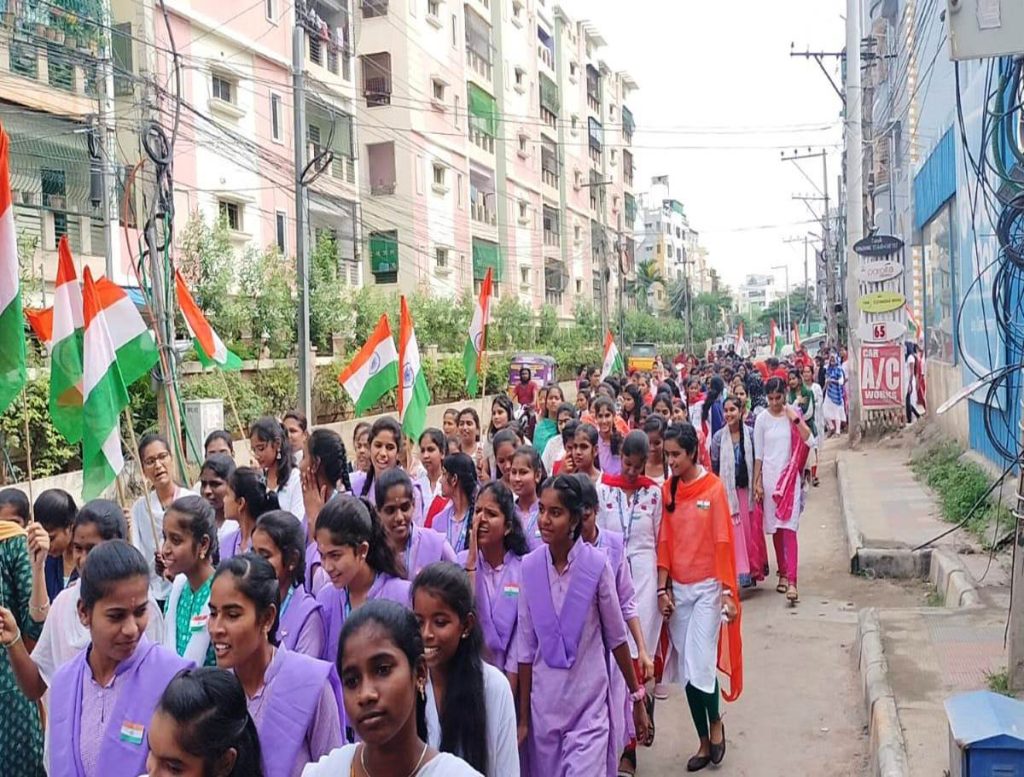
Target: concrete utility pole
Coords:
[[854, 208], [301, 218], [620, 250], [111, 207]]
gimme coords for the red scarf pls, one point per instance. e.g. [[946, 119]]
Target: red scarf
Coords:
[[620, 481]]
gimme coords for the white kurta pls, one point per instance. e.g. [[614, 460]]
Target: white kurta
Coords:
[[502, 744], [289, 496], [773, 441], [341, 761], [199, 639], [693, 627], [146, 543], [638, 520]]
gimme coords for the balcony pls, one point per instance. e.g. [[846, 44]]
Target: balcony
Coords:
[[549, 163], [627, 168], [382, 189], [483, 215], [480, 65], [373, 8], [380, 165], [481, 140], [377, 92], [549, 178], [545, 55], [327, 38]]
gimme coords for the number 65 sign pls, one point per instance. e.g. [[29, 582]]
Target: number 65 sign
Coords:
[[881, 331]]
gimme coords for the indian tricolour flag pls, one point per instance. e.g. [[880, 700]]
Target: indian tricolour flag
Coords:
[[472, 356], [774, 342], [105, 397], [374, 371], [209, 347], [413, 394], [66, 347], [134, 344], [12, 328], [612, 358], [741, 340]]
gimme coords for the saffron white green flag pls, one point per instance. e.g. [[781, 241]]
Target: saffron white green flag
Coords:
[[105, 397], [12, 327], [612, 359], [66, 348], [472, 355], [374, 370], [209, 347], [413, 393]]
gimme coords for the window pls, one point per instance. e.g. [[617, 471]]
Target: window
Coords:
[[384, 256], [579, 286], [517, 10], [524, 275], [441, 257], [577, 233], [679, 233], [614, 156], [279, 220], [275, 116], [458, 104], [455, 31], [669, 251], [611, 113], [524, 211], [437, 87], [374, 8], [440, 176], [668, 229], [270, 10], [434, 8], [222, 88], [939, 237], [574, 70], [121, 50], [55, 198], [231, 213], [458, 191], [574, 124], [523, 140], [520, 79]]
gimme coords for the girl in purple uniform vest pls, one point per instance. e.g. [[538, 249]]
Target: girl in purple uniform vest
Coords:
[[470, 711], [294, 700], [569, 612], [324, 470], [189, 549], [384, 676], [525, 477], [459, 485], [272, 450], [505, 443], [584, 452], [202, 728], [246, 500], [300, 627], [359, 562], [101, 701], [613, 544], [494, 563], [416, 547], [609, 446], [213, 487], [386, 440]]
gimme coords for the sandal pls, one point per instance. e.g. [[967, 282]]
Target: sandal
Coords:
[[792, 595], [718, 751], [783, 585], [649, 703]]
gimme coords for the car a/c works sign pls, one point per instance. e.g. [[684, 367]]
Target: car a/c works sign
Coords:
[[881, 376]]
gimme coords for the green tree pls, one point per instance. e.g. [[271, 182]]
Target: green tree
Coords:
[[265, 280], [647, 275], [207, 260], [511, 324], [327, 313]]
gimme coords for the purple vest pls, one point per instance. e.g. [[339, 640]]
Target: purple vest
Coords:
[[122, 754], [300, 608], [558, 634], [312, 565], [498, 616], [614, 544], [427, 547], [287, 718], [229, 547], [335, 603], [358, 480]]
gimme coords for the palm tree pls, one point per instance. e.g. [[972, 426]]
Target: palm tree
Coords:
[[647, 275]]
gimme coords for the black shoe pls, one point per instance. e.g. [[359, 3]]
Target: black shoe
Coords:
[[718, 751], [697, 762]]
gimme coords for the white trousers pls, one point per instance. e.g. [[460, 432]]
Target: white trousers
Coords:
[[694, 628]]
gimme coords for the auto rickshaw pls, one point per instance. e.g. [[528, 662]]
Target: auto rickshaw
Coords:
[[543, 369], [641, 357]]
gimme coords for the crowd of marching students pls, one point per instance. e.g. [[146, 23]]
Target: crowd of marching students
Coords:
[[504, 599]]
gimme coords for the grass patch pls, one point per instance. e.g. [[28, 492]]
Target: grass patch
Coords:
[[999, 682], [934, 598], [959, 485]]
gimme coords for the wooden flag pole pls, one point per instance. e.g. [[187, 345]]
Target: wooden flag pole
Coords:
[[134, 449], [231, 404], [28, 455]]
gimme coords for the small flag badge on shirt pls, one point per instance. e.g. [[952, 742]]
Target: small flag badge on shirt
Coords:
[[132, 732], [511, 589], [703, 504], [198, 622]]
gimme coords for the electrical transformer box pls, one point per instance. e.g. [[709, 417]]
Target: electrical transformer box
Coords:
[[985, 28]]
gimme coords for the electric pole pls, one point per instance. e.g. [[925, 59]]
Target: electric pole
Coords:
[[301, 203], [854, 207]]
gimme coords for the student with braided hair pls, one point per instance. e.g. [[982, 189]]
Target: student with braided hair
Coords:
[[459, 485]]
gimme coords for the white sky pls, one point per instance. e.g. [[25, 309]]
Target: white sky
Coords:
[[718, 74]]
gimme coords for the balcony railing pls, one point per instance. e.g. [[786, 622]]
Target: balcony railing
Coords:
[[479, 64], [325, 52], [595, 154], [553, 298], [483, 215], [552, 238], [594, 103], [545, 55], [377, 91], [481, 140], [382, 188], [550, 178], [374, 8]]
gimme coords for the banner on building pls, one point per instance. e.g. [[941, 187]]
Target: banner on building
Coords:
[[881, 376]]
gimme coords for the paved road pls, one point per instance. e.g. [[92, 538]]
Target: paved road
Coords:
[[801, 711]]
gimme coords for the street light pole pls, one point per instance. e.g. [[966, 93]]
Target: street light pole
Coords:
[[789, 317]]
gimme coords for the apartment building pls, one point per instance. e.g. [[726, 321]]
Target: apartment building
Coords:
[[52, 69], [482, 140]]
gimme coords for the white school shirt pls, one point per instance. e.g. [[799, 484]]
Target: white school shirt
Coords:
[[340, 760], [64, 636], [146, 543], [289, 496], [502, 737]]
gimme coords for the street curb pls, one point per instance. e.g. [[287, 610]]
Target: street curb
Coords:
[[885, 734], [854, 539], [953, 580], [875, 561]]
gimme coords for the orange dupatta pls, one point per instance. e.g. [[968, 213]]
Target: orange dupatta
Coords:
[[730, 641]]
